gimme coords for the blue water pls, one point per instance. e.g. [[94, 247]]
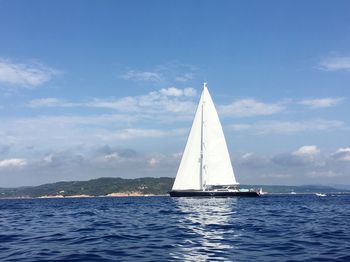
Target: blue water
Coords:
[[271, 228]]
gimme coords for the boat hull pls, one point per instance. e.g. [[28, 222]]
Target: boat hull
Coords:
[[192, 193]]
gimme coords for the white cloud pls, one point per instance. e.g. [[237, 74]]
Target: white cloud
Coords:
[[321, 102], [184, 78], [253, 161], [250, 107], [49, 158], [25, 75], [13, 162], [293, 161], [118, 158], [288, 127], [190, 91], [153, 162], [342, 154], [335, 63], [307, 151], [49, 102], [126, 104], [173, 91], [305, 155], [302, 166], [295, 127], [87, 162], [133, 133], [57, 132], [60, 131], [115, 157], [289, 160], [165, 74], [146, 76], [177, 100], [177, 155], [276, 175], [172, 99], [247, 155]]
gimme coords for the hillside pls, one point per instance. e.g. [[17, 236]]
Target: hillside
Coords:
[[146, 185], [95, 187]]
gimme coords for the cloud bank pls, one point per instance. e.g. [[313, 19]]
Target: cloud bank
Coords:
[[321, 102], [288, 127], [335, 63], [25, 75], [301, 166], [250, 107]]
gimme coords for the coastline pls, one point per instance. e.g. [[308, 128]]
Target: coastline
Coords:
[[139, 194], [114, 194]]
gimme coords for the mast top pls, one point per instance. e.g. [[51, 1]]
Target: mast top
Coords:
[[205, 85]]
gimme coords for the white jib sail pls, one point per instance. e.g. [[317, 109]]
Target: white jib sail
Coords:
[[215, 166]]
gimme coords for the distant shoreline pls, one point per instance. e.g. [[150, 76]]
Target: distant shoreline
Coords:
[[145, 186], [112, 195], [84, 196]]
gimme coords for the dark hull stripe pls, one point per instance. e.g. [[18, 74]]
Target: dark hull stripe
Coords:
[[212, 194]]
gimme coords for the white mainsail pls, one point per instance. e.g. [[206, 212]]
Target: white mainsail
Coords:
[[205, 161]]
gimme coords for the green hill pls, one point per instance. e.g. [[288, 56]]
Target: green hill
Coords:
[[95, 187]]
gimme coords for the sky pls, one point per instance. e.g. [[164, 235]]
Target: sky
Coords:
[[94, 89]]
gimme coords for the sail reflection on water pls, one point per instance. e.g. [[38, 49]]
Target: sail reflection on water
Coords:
[[207, 224]]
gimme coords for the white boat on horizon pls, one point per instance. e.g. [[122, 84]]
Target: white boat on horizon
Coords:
[[321, 194], [205, 168], [261, 192]]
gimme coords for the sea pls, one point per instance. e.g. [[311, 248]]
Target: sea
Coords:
[[268, 228]]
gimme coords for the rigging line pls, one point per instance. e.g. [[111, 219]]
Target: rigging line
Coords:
[[201, 159]]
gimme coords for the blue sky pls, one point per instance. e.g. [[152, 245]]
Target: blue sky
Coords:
[[109, 88]]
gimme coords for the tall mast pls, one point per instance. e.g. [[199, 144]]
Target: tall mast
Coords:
[[201, 153]]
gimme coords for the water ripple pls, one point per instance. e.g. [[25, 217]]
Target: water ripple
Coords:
[[272, 228]]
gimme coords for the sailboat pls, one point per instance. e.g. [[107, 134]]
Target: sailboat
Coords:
[[205, 169]]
